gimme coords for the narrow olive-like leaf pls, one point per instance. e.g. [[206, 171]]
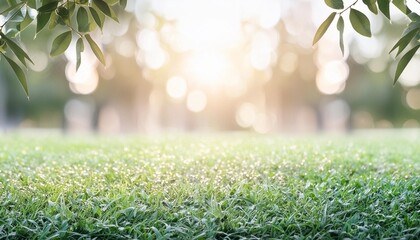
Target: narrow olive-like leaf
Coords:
[[41, 21], [49, 7], [12, 8], [96, 17], [404, 41], [18, 51], [402, 6], [82, 20], [360, 22], [71, 7], [92, 26], [96, 50], [323, 28], [11, 2], [123, 4], [384, 7], [336, 4], [103, 7], [25, 23], [402, 64], [31, 3], [53, 21], [19, 74], [371, 4], [3, 46], [80, 47], [61, 43], [340, 28], [114, 15], [412, 26]]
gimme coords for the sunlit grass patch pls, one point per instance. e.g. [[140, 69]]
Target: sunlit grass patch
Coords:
[[230, 186]]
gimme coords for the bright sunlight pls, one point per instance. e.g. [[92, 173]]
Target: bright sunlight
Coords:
[[198, 52]]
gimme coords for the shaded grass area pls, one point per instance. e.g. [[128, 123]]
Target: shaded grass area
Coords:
[[210, 187]]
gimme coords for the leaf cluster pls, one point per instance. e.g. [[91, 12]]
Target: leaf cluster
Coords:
[[361, 24], [78, 19]]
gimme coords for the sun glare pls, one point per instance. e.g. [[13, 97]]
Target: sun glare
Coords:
[[176, 87], [331, 78], [208, 68], [211, 46], [196, 101], [209, 43]]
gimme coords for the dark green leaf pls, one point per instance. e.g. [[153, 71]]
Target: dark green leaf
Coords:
[[63, 16], [404, 41], [123, 4], [404, 61], [402, 5], [323, 28], [61, 43], [82, 20], [413, 25], [98, 20], [360, 22], [49, 7], [19, 74], [18, 51], [340, 28], [384, 7], [371, 4], [62, 12], [80, 47], [414, 17], [41, 21], [103, 7], [96, 50], [336, 4]]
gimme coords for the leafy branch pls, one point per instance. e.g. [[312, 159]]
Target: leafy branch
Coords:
[[361, 24], [80, 17]]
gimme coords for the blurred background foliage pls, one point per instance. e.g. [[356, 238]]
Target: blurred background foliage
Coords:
[[218, 65]]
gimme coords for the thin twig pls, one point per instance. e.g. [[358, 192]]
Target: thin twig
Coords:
[[351, 5], [14, 15]]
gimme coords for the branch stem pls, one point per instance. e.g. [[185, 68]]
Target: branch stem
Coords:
[[13, 15], [351, 5]]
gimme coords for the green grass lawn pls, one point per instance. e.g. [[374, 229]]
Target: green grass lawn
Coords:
[[205, 187]]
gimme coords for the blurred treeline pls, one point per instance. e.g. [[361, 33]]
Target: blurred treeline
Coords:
[[131, 97]]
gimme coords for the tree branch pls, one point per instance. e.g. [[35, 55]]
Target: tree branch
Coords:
[[351, 5]]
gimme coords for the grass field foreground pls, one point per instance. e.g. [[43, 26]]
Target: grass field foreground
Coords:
[[210, 187]]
